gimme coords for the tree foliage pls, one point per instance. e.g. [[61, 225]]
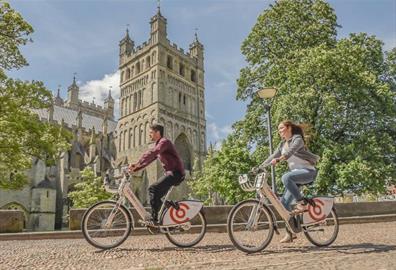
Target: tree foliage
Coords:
[[22, 134], [89, 191], [344, 90]]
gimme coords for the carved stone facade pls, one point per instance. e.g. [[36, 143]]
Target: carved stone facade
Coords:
[[44, 200], [160, 83]]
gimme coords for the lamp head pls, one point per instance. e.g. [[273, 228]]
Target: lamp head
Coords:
[[267, 92]]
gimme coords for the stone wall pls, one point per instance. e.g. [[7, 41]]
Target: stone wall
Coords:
[[219, 214], [11, 221]]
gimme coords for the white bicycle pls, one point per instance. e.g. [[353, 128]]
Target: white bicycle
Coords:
[[107, 224], [251, 223]]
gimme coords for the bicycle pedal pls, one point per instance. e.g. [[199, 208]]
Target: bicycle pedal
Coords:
[[142, 222]]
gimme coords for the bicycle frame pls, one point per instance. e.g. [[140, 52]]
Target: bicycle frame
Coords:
[[125, 191], [265, 191]]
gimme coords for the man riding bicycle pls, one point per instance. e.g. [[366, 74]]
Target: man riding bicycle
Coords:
[[165, 150]]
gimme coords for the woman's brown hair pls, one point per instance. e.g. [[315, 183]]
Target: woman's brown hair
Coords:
[[295, 128]]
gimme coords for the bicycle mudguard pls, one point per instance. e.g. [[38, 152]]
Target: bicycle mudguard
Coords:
[[187, 210], [320, 211]]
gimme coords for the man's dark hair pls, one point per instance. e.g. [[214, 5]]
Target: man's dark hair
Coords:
[[157, 127]]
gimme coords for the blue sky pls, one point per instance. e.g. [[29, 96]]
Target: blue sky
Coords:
[[82, 36]]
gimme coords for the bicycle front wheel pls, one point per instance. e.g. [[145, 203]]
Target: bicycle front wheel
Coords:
[[188, 234], [324, 232], [105, 225], [250, 226]]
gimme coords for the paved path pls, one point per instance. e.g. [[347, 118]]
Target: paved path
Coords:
[[359, 246]]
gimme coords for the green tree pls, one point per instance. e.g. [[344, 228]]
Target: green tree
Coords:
[[344, 90], [89, 191], [22, 134], [221, 170]]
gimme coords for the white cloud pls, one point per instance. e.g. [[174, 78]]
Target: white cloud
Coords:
[[389, 43], [208, 115], [99, 90], [216, 134]]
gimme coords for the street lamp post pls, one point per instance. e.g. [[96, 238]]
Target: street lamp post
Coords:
[[269, 93]]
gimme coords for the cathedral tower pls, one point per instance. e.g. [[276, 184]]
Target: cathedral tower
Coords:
[[161, 83]]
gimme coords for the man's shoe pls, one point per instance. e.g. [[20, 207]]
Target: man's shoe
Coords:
[[153, 222], [288, 238]]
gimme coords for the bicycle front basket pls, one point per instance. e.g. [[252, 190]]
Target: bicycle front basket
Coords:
[[246, 183], [249, 183]]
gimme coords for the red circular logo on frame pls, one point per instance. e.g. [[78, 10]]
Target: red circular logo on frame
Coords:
[[179, 216]]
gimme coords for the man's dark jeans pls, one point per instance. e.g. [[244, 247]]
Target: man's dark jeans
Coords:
[[160, 188]]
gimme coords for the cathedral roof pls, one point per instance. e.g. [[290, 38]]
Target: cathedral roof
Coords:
[[70, 115]]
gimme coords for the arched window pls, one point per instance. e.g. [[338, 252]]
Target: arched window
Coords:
[[139, 100], [181, 69], [122, 76], [137, 67], [135, 136], [130, 138], [142, 98], [183, 148], [140, 134], [147, 61], [134, 102], [169, 62], [131, 103], [128, 73], [193, 76]]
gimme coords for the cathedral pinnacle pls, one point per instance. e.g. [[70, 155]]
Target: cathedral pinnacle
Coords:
[[74, 78], [159, 7], [58, 93], [196, 35], [92, 139]]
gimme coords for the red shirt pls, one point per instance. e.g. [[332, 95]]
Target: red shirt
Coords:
[[166, 152]]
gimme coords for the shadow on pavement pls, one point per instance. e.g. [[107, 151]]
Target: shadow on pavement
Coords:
[[207, 248], [363, 248]]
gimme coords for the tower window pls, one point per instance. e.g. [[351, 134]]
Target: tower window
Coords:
[[148, 62], [169, 62], [184, 99], [181, 69], [137, 67], [193, 76], [128, 74]]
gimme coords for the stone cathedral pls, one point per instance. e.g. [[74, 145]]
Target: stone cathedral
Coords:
[[160, 83]]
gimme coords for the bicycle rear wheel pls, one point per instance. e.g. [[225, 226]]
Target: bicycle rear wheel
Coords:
[[325, 232], [188, 234], [250, 226], [106, 226]]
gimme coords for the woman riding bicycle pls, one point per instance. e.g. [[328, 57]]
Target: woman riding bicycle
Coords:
[[301, 164]]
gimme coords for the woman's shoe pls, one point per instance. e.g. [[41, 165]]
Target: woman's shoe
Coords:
[[288, 238], [300, 207]]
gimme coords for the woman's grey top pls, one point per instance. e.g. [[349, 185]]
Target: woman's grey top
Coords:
[[296, 148]]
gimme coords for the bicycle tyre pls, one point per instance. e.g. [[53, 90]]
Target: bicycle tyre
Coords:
[[232, 233], [333, 236], [172, 237], [84, 225]]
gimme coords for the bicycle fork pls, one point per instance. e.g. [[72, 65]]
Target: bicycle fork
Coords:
[[253, 218], [113, 212]]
